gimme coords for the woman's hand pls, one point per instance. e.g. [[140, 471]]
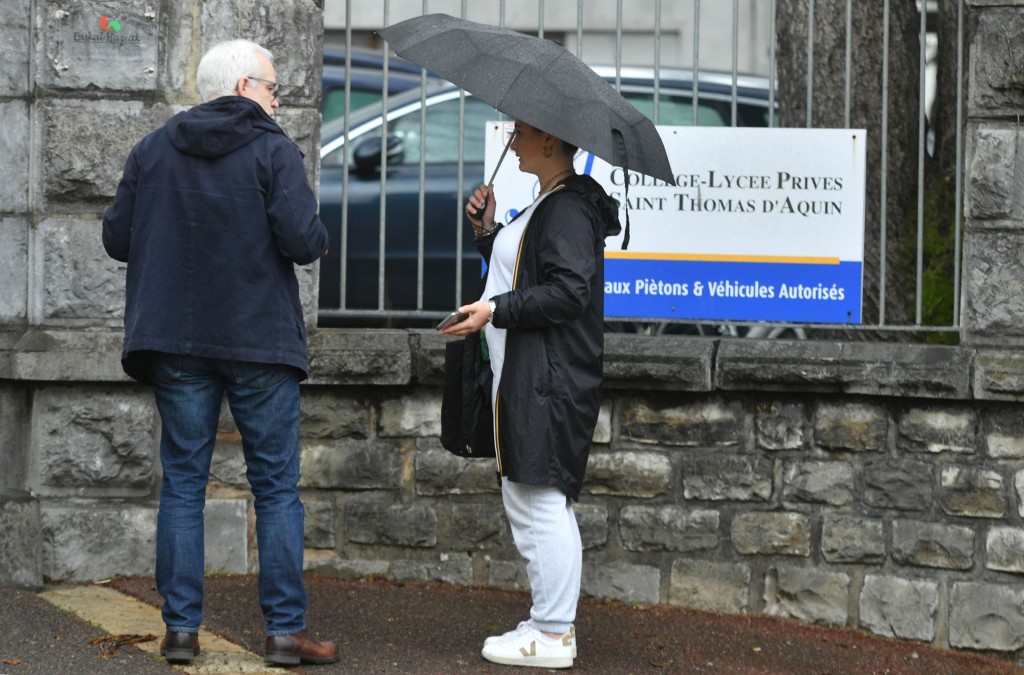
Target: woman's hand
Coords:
[[477, 315], [482, 198]]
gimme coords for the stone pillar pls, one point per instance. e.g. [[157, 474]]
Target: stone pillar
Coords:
[[992, 316], [81, 82]]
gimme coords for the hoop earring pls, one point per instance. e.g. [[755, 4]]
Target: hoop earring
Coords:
[[548, 151]]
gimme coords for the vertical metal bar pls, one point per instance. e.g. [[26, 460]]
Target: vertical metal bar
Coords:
[[382, 232], [959, 158], [735, 56], [695, 96], [810, 62], [618, 46], [459, 208], [657, 60], [849, 63], [921, 150], [343, 253], [771, 66], [421, 204], [882, 247], [579, 29], [540, 19]]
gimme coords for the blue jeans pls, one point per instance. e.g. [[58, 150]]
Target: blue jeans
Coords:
[[264, 401]]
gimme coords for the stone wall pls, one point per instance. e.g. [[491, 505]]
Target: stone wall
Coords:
[[849, 484]]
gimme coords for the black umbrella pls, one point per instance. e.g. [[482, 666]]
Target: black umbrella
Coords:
[[537, 81]]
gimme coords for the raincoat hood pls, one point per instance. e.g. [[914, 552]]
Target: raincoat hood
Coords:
[[219, 127], [607, 208]]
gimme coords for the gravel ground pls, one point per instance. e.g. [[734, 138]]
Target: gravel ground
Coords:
[[386, 627]]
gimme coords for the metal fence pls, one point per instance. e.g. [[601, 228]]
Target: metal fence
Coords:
[[407, 300]]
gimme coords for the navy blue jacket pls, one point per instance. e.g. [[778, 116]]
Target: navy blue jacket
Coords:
[[211, 213]]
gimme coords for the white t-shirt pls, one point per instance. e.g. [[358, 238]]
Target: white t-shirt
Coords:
[[499, 280]]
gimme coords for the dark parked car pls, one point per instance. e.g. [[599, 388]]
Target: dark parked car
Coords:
[[443, 198], [367, 80]]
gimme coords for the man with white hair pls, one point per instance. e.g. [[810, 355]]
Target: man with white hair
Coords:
[[212, 213]]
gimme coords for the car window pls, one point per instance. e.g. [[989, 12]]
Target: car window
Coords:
[[334, 102], [442, 132], [676, 111]]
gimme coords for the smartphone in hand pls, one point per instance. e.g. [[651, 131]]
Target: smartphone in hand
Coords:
[[452, 319]]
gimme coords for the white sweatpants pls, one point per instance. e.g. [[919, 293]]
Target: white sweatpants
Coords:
[[545, 532]]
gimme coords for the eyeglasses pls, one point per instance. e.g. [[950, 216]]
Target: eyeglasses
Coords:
[[274, 86]]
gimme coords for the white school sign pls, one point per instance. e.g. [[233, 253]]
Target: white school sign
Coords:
[[763, 224]]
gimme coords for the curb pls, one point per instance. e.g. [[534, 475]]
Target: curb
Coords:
[[119, 614]]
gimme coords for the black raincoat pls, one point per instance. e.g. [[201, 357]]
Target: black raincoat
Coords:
[[550, 391]]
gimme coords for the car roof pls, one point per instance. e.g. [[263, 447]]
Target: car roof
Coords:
[[368, 58], [368, 78]]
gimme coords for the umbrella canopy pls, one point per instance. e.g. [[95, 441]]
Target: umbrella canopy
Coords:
[[538, 82]]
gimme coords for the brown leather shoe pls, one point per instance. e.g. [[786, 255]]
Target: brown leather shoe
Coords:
[[289, 650], [179, 647]]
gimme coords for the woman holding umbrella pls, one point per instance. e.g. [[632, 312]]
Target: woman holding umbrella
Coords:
[[542, 315]]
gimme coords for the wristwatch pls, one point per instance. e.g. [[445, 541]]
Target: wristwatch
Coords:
[[493, 305]]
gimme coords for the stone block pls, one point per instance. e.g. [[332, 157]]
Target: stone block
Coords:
[[851, 426], [350, 465], [780, 425], [905, 609], [21, 551], [999, 375], [334, 415], [771, 533], [68, 355], [1002, 431], [1004, 549], [709, 586], [104, 45], [993, 287], [715, 475], [416, 415], [85, 145], [932, 545], [994, 61], [935, 430], [971, 492], [479, 527], [15, 173], [692, 423], [830, 483], [450, 569], [852, 539], [386, 524], [592, 520], [15, 417], [657, 362], [95, 440], [91, 540], [225, 536], [320, 526], [603, 430], [77, 280], [903, 485], [992, 158], [508, 574], [628, 473], [360, 357], [439, 472], [807, 594], [15, 49], [621, 581], [668, 528], [228, 464], [985, 616], [13, 263], [343, 567], [877, 369]]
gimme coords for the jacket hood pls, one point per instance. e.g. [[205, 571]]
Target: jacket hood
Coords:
[[606, 207], [219, 127]]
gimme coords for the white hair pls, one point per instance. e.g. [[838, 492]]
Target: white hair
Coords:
[[225, 64]]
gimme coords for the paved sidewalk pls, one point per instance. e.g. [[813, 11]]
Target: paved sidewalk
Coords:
[[385, 627]]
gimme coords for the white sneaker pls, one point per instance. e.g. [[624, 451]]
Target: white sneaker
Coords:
[[527, 646], [525, 626]]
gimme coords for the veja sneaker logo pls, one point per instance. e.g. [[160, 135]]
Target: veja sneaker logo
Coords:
[[108, 24]]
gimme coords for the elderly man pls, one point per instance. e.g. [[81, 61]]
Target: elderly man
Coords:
[[212, 211]]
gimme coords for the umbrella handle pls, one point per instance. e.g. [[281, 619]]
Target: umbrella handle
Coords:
[[478, 213]]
